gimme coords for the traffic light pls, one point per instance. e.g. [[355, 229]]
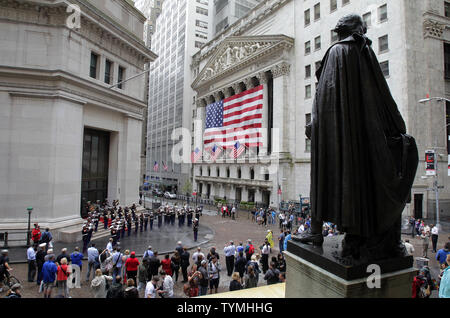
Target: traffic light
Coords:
[[430, 162]]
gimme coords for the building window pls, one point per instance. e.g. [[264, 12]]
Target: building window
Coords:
[[447, 9], [252, 174], [307, 91], [228, 172], [218, 172], [94, 65], [201, 11], [307, 17], [385, 68], [368, 19], [308, 71], [201, 24], [333, 5], [344, 2], [209, 172], [334, 36], [307, 47], [383, 44], [239, 173], [121, 77], [205, 2], [108, 72], [382, 13], [317, 43], [220, 4], [447, 60], [317, 12]]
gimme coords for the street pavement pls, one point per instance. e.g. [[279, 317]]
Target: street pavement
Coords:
[[222, 231]]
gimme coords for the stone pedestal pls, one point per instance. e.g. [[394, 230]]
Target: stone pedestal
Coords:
[[311, 274]]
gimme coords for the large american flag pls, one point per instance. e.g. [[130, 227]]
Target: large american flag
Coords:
[[236, 118]]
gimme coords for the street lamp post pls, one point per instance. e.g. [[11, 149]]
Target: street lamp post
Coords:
[[436, 186], [29, 209]]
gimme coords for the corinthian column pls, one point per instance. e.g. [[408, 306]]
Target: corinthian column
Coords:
[[280, 74]]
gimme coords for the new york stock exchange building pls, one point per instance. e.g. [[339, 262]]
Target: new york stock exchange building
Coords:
[[274, 52]]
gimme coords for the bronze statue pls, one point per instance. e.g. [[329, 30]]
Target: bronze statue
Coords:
[[363, 163]]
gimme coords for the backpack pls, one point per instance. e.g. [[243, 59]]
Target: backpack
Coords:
[[251, 249]]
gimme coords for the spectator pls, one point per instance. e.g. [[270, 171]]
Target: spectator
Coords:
[[167, 291], [281, 263], [425, 237], [214, 269], [131, 291], [153, 265], [254, 263], [40, 260], [151, 289], [273, 275], [62, 275], [31, 258], [148, 253], [93, 261], [251, 278], [116, 290], [142, 274], [166, 265], [239, 266], [105, 260], [184, 264], [196, 254], [444, 289], [176, 262], [249, 250], [434, 237], [281, 241], [235, 283], [442, 254], [77, 258], [230, 251], [286, 239], [117, 263], [409, 247], [100, 284], [131, 266], [63, 255], [191, 288], [204, 279], [49, 271], [265, 251]]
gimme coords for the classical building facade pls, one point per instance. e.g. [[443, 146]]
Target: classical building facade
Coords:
[[68, 135], [280, 45]]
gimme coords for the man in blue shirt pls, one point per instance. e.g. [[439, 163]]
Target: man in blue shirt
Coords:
[[93, 260], [77, 258], [117, 263], [287, 238], [49, 271], [441, 255]]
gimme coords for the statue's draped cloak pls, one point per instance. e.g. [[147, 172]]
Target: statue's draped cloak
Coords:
[[361, 176]]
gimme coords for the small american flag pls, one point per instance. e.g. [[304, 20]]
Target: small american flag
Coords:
[[215, 153], [238, 149], [165, 167], [156, 167], [236, 118], [196, 155]]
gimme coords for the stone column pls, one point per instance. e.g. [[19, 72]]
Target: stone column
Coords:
[[249, 83], [280, 103], [258, 195], [244, 194], [237, 87], [217, 96], [199, 127], [263, 79]]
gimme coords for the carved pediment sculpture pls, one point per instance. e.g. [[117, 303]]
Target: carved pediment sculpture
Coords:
[[236, 51]]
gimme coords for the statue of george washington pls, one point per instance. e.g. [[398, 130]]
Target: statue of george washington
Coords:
[[363, 163]]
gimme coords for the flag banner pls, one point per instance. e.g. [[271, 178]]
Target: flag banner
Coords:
[[236, 118], [430, 162], [156, 167], [196, 155], [237, 151], [215, 153], [165, 167]]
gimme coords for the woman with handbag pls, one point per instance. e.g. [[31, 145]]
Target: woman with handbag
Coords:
[[100, 284], [61, 278]]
